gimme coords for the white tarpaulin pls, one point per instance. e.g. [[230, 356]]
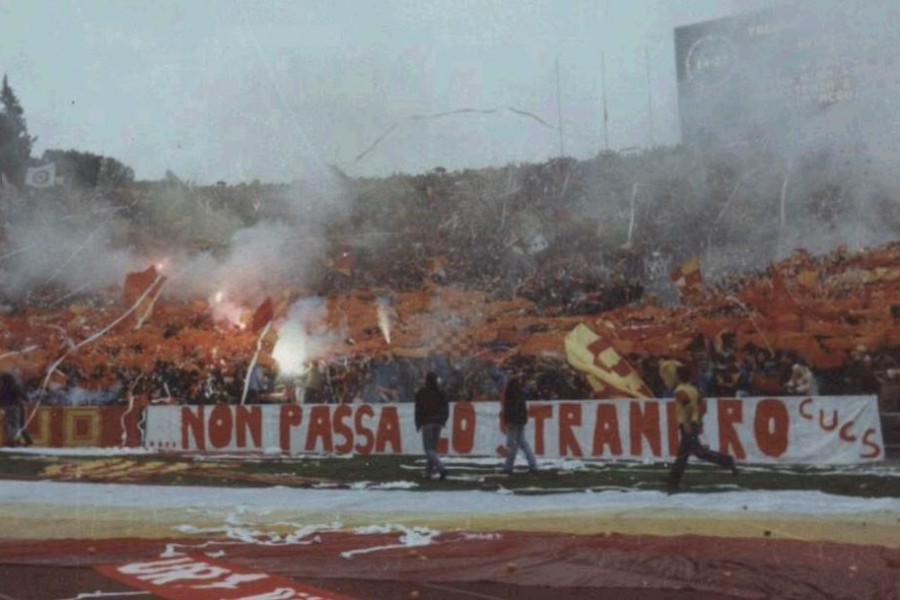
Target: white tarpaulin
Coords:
[[796, 430]]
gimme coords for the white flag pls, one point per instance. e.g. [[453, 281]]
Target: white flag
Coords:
[[41, 177]]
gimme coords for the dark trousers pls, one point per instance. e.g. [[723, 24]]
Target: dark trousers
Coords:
[[690, 446], [15, 416]]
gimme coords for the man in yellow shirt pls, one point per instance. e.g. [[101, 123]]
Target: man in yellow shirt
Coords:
[[689, 409]]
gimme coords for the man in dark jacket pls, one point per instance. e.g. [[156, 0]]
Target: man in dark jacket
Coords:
[[12, 400], [515, 417], [432, 411]]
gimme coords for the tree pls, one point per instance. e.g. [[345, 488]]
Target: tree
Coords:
[[15, 143], [78, 169], [88, 170], [114, 173]]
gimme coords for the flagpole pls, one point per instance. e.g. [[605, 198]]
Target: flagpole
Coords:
[[605, 111], [562, 147], [634, 190], [649, 97], [247, 378], [782, 216]]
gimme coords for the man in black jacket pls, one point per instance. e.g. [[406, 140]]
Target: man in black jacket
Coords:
[[12, 400], [515, 417], [432, 411]]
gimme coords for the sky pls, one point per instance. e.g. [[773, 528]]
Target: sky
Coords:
[[276, 90]]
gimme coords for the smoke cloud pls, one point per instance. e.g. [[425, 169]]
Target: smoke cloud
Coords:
[[800, 99], [53, 245]]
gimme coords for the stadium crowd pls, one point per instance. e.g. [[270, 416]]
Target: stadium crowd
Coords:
[[565, 276]]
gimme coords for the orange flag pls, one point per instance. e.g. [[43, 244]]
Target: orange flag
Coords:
[[782, 299]]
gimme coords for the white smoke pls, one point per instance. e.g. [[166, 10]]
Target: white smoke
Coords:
[[820, 171], [271, 256], [53, 245], [304, 336]]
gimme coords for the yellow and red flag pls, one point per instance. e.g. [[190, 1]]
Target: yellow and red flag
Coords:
[[687, 278], [608, 373]]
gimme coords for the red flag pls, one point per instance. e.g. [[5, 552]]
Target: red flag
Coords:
[[263, 314], [138, 282]]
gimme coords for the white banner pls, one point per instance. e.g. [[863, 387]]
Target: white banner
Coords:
[[43, 176], [796, 430]]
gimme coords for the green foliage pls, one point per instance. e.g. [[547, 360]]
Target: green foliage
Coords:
[[114, 174], [15, 143]]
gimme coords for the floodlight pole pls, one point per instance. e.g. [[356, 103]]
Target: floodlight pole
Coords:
[[649, 97], [605, 111], [559, 121]]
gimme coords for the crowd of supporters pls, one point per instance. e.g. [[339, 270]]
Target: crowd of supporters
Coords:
[[573, 275], [556, 287]]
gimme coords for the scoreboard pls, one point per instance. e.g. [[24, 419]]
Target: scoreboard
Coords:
[[749, 77]]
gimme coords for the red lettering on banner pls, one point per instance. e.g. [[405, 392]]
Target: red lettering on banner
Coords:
[[606, 431], [249, 418], [802, 409], [770, 427], [540, 414], [319, 427], [845, 431], [362, 431], [569, 417], [193, 422], [200, 578], [291, 416], [730, 412], [220, 426], [341, 428], [388, 430], [874, 448], [644, 423], [830, 426], [463, 435], [672, 427]]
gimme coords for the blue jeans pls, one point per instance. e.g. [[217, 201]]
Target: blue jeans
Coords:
[[431, 433], [515, 439]]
